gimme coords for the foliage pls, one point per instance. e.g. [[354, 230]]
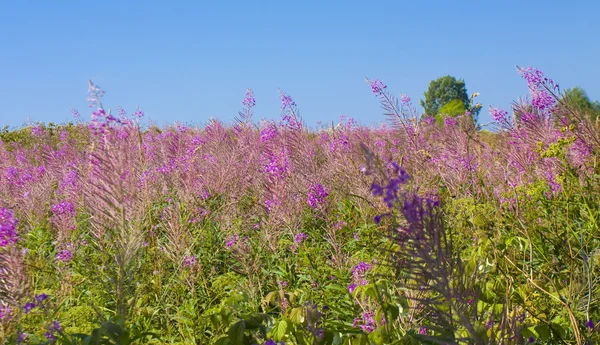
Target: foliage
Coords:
[[267, 233], [444, 90]]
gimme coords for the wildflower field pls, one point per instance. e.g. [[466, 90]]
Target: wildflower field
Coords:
[[267, 232]]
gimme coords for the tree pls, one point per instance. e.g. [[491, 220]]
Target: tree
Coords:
[[454, 108], [443, 91], [578, 100]]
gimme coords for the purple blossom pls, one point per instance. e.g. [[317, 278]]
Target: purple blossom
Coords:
[[63, 208], [121, 112], [499, 115], [41, 297], [377, 87], [56, 326], [405, 100], [450, 121], [376, 189], [317, 195], [37, 131], [366, 323], [542, 100], [533, 76], [286, 101], [138, 114], [50, 336], [268, 133], [231, 241], [590, 324], [249, 100], [64, 255], [21, 337], [8, 227], [191, 261], [360, 269], [28, 307], [300, 237]]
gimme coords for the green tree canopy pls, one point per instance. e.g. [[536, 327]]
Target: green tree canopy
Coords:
[[578, 100], [443, 91], [454, 108]]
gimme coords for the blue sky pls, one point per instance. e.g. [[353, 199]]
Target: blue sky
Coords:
[[187, 61]]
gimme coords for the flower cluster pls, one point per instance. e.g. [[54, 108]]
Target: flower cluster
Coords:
[[300, 237], [64, 255], [190, 261], [367, 322], [317, 195], [231, 241], [8, 227], [393, 186], [52, 330], [538, 88], [377, 86], [249, 100], [39, 302], [286, 101], [358, 276], [63, 208]]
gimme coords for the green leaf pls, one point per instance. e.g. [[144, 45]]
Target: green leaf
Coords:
[[236, 332], [279, 330]]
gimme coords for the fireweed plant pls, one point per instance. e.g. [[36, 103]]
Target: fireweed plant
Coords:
[[265, 232]]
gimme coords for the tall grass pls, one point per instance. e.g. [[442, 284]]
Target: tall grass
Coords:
[[264, 232]]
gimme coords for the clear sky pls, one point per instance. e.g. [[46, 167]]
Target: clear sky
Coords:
[[187, 61]]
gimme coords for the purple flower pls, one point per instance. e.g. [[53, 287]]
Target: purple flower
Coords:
[[300, 237], [376, 189], [542, 100], [64, 255], [63, 208], [423, 330], [28, 307], [533, 76], [450, 121], [499, 115], [352, 287], [268, 133], [231, 241], [590, 324], [190, 261], [41, 298], [405, 100], [249, 100], [531, 340], [37, 131], [50, 336], [286, 101], [8, 227], [56, 326], [377, 87], [360, 269], [138, 113], [21, 338], [317, 195]]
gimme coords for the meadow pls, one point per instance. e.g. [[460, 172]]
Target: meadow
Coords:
[[267, 232]]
